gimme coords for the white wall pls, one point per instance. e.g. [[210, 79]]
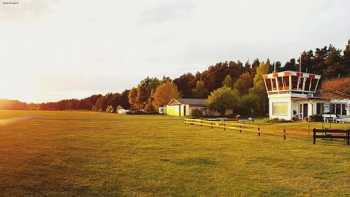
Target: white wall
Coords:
[[293, 105], [279, 98]]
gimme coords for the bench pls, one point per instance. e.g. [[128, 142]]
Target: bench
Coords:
[[331, 134]]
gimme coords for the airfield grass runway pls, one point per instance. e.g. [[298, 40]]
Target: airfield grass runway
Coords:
[[101, 154]]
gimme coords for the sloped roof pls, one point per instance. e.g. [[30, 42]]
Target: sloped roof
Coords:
[[336, 89], [189, 101]]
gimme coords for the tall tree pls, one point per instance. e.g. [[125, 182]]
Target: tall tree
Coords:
[[185, 84], [228, 82], [223, 99], [145, 89], [165, 93], [124, 99], [248, 104], [259, 89], [334, 64], [101, 104], [244, 83], [133, 99], [346, 59], [291, 65], [200, 91]]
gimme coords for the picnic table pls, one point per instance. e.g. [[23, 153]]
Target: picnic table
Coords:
[[329, 117]]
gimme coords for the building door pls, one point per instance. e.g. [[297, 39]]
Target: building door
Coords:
[[305, 110], [185, 110], [319, 108]]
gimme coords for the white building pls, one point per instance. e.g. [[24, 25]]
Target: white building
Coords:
[[121, 110], [294, 95], [185, 106]]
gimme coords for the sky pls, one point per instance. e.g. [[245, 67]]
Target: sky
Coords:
[[56, 49]]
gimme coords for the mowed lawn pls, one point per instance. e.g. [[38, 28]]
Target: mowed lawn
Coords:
[[100, 154]]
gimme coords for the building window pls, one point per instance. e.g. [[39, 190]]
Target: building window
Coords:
[[301, 82], [294, 82], [286, 83], [343, 106], [337, 109], [280, 109], [319, 108], [280, 83], [273, 82], [268, 84], [307, 84], [332, 108], [313, 84]]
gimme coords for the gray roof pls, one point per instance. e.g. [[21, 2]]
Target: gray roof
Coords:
[[191, 101]]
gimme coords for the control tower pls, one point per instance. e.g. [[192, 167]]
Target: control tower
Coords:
[[292, 95]]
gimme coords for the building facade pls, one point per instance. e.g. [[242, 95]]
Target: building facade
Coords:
[[295, 96], [292, 95], [184, 107]]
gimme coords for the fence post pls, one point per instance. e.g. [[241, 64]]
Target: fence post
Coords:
[[259, 131], [284, 134], [224, 126], [348, 137], [314, 136], [240, 128]]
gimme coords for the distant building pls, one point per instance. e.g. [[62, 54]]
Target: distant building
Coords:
[[121, 110], [336, 92], [162, 110], [295, 95], [185, 106]]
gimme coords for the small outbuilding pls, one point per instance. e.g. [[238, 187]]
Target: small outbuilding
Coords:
[[185, 106], [121, 110]]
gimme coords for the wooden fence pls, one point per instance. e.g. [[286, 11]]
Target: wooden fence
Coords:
[[235, 125], [248, 127], [224, 125]]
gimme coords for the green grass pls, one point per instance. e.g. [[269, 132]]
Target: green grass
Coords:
[[100, 154]]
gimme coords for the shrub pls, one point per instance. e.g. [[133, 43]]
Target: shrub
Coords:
[[110, 109], [196, 113], [276, 120], [316, 118], [223, 99]]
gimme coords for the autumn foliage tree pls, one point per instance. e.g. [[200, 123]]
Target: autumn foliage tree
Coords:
[[200, 91], [328, 61], [244, 83], [133, 98], [228, 82], [164, 93]]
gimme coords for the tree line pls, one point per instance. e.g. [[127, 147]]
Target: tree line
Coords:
[[242, 81]]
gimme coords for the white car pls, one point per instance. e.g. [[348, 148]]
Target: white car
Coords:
[[345, 119]]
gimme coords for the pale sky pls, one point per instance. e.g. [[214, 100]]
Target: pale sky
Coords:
[[55, 49]]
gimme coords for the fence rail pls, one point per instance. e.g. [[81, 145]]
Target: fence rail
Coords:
[[238, 126], [223, 125]]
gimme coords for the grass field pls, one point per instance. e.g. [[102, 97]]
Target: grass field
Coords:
[[100, 154]]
